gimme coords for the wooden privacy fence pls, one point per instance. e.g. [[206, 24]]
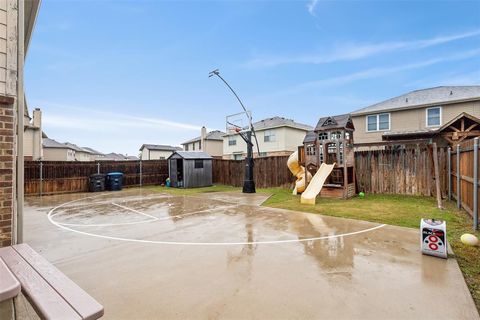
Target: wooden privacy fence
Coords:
[[463, 177], [50, 177], [405, 169], [401, 170], [268, 172]]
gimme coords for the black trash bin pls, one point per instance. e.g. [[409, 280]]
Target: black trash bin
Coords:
[[96, 183], [114, 181]]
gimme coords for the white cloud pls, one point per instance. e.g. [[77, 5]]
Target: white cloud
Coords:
[[350, 52], [381, 72], [311, 6], [94, 119]]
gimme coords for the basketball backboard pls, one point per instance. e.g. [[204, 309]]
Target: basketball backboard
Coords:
[[239, 122]]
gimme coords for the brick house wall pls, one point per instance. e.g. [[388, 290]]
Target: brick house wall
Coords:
[[7, 170]]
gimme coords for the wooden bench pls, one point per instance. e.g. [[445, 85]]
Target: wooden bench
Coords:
[[51, 293]]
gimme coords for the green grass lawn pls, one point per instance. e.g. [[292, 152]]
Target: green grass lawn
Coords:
[[398, 210]]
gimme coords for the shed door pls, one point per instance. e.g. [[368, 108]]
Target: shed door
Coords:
[[173, 172]]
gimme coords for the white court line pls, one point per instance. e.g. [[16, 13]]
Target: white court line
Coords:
[[49, 216], [136, 222], [133, 210]]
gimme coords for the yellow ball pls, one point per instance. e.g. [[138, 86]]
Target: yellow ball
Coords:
[[469, 239]]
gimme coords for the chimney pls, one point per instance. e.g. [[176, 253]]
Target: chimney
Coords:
[[203, 136], [37, 118]]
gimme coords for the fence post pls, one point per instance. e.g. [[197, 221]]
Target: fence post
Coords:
[[98, 167], [41, 178], [475, 183], [458, 178], [449, 170], [141, 173]]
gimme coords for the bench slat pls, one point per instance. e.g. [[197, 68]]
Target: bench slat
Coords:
[[87, 307], [44, 299], [9, 285]]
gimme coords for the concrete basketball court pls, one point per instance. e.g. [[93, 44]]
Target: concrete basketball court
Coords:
[[147, 255]]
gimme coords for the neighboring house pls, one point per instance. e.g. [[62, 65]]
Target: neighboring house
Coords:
[[95, 155], [208, 142], [81, 154], [449, 114], [56, 151], [156, 151], [32, 136], [15, 17], [276, 136], [118, 157]]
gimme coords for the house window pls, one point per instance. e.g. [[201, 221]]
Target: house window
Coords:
[[186, 147], [237, 156], [200, 145], [378, 122], [336, 135], [434, 116], [320, 154], [198, 164], [193, 146], [310, 150], [269, 136], [323, 136], [232, 141], [262, 154]]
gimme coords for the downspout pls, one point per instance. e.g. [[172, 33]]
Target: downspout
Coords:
[[20, 113]]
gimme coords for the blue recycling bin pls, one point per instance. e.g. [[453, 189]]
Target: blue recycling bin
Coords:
[[114, 181]]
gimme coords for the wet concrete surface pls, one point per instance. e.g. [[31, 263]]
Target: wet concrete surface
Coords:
[[146, 255]]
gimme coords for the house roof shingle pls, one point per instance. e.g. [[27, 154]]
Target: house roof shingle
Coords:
[[334, 122], [276, 121], [424, 97], [50, 143], [212, 135], [159, 147], [92, 151]]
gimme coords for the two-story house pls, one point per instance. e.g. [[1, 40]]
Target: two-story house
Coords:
[[156, 151], [447, 114], [56, 151], [208, 142], [276, 136]]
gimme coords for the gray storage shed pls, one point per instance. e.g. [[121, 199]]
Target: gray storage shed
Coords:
[[189, 169]]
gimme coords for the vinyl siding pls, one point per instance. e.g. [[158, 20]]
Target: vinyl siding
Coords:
[[411, 120]]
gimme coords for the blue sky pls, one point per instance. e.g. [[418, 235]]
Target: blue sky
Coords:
[[113, 75]]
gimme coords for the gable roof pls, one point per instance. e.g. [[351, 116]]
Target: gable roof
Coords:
[[212, 135], [276, 122], [191, 155], [460, 116], [92, 151], [76, 148], [160, 147], [50, 143], [424, 98], [334, 122]]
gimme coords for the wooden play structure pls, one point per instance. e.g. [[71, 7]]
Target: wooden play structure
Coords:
[[330, 147]]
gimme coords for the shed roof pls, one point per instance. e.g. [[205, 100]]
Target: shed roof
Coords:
[[212, 135], [160, 147], [334, 122], [191, 155], [423, 98]]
